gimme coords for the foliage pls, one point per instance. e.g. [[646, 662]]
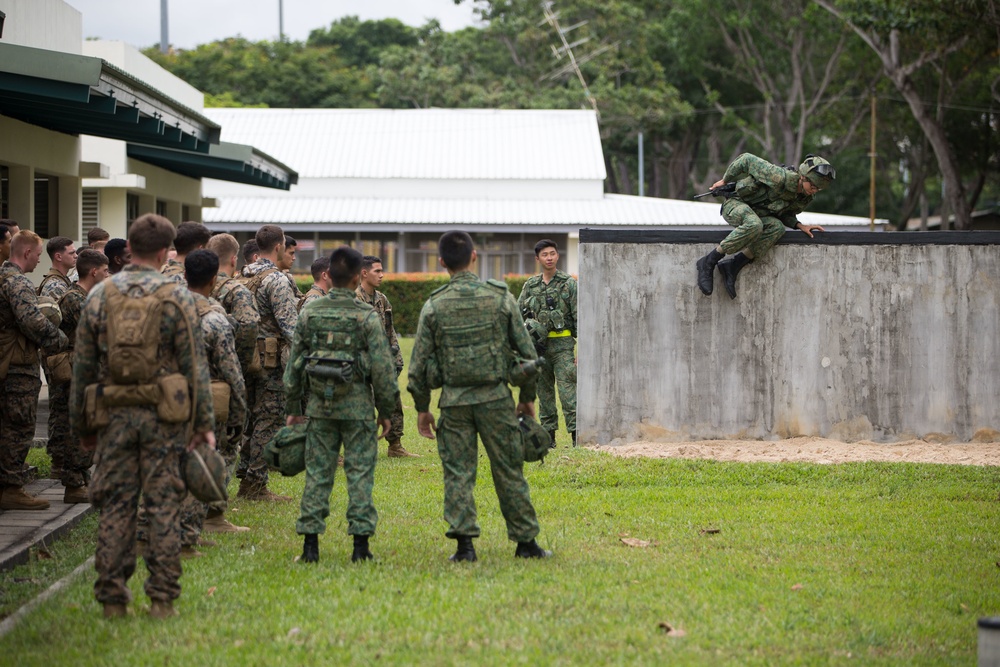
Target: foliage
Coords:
[[881, 564]]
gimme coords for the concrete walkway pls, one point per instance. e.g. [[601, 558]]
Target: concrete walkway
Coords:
[[20, 530]]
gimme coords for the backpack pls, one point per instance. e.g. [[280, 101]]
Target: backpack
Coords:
[[134, 333], [338, 356], [469, 338]]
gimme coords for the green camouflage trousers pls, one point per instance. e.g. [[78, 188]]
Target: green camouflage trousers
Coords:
[[395, 433], [64, 448], [756, 234], [323, 440], [136, 454], [267, 416], [18, 410], [496, 424], [559, 373]]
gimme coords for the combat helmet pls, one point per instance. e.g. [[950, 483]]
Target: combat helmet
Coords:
[[50, 309], [204, 472], [819, 172]]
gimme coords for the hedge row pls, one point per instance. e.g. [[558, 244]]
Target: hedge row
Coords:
[[407, 293]]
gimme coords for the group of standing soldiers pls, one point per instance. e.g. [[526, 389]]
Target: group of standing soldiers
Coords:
[[174, 352]]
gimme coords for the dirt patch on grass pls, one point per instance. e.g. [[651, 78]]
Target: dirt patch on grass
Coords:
[[815, 450]]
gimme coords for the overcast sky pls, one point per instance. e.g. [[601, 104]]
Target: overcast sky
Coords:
[[194, 22]]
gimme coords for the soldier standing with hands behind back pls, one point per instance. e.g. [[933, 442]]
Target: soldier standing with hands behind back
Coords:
[[339, 363], [467, 334]]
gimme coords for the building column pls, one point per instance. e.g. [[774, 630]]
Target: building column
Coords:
[[401, 252], [147, 204], [70, 209], [21, 190], [174, 212]]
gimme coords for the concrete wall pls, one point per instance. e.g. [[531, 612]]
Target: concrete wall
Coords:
[[43, 24], [853, 336]]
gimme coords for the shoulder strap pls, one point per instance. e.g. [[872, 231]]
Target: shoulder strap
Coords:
[[219, 287], [499, 284], [256, 281]]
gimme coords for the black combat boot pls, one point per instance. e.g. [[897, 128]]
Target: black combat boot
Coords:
[[531, 550], [574, 437], [706, 271], [465, 552], [729, 270], [552, 439], [361, 551], [310, 549]]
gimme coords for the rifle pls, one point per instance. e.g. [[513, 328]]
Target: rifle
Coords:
[[727, 190]]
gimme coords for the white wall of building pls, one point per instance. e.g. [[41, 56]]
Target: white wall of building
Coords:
[[43, 24], [131, 60]]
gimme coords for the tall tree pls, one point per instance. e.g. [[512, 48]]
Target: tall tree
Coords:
[[951, 41]]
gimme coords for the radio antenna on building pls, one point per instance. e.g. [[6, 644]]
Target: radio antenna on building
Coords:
[[552, 18]]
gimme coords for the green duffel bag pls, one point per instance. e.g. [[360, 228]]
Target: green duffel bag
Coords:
[[535, 440], [286, 451]]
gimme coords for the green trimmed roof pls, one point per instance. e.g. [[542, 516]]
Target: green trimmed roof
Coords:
[[84, 95], [225, 161]]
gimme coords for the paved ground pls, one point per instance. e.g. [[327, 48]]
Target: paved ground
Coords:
[[20, 530]]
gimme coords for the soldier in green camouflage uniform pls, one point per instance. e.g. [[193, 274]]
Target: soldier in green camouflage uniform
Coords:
[[371, 278], [54, 285], [468, 334], [766, 199], [340, 410], [200, 270], [92, 267], [550, 298], [137, 451], [23, 329], [276, 304]]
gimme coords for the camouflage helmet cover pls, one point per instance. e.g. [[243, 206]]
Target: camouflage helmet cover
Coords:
[[819, 172]]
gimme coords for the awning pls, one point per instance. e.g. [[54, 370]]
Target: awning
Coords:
[[84, 95], [225, 161]]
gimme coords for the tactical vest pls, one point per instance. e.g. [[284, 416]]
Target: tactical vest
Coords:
[[50, 276], [221, 391], [60, 365], [339, 351], [469, 336], [768, 197], [551, 310], [268, 352], [219, 293]]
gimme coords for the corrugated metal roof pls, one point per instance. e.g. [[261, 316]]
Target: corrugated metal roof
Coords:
[[612, 210], [423, 143]]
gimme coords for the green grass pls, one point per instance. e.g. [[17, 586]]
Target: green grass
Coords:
[[867, 563]]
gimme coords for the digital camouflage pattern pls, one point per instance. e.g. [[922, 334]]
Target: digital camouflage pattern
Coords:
[[277, 306], [315, 292], [349, 419], [239, 305], [380, 302], [224, 366], [766, 201], [54, 284], [23, 329], [487, 411], [554, 305], [137, 453], [64, 443], [174, 270]]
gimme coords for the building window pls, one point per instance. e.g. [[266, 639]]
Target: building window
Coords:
[[161, 208], [185, 212], [46, 205], [91, 216]]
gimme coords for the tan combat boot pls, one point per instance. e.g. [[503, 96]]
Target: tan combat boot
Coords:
[[251, 491], [188, 552], [114, 610], [16, 498], [216, 522], [75, 494], [397, 451], [162, 609]]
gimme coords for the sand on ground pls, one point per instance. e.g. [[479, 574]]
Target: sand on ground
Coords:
[[815, 450]]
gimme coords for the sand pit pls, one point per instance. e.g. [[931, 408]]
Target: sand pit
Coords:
[[815, 450]]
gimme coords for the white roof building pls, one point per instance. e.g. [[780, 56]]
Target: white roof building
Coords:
[[391, 181]]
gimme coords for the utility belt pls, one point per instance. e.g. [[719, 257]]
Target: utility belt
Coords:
[[170, 394], [221, 393], [269, 351], [562, 333]]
